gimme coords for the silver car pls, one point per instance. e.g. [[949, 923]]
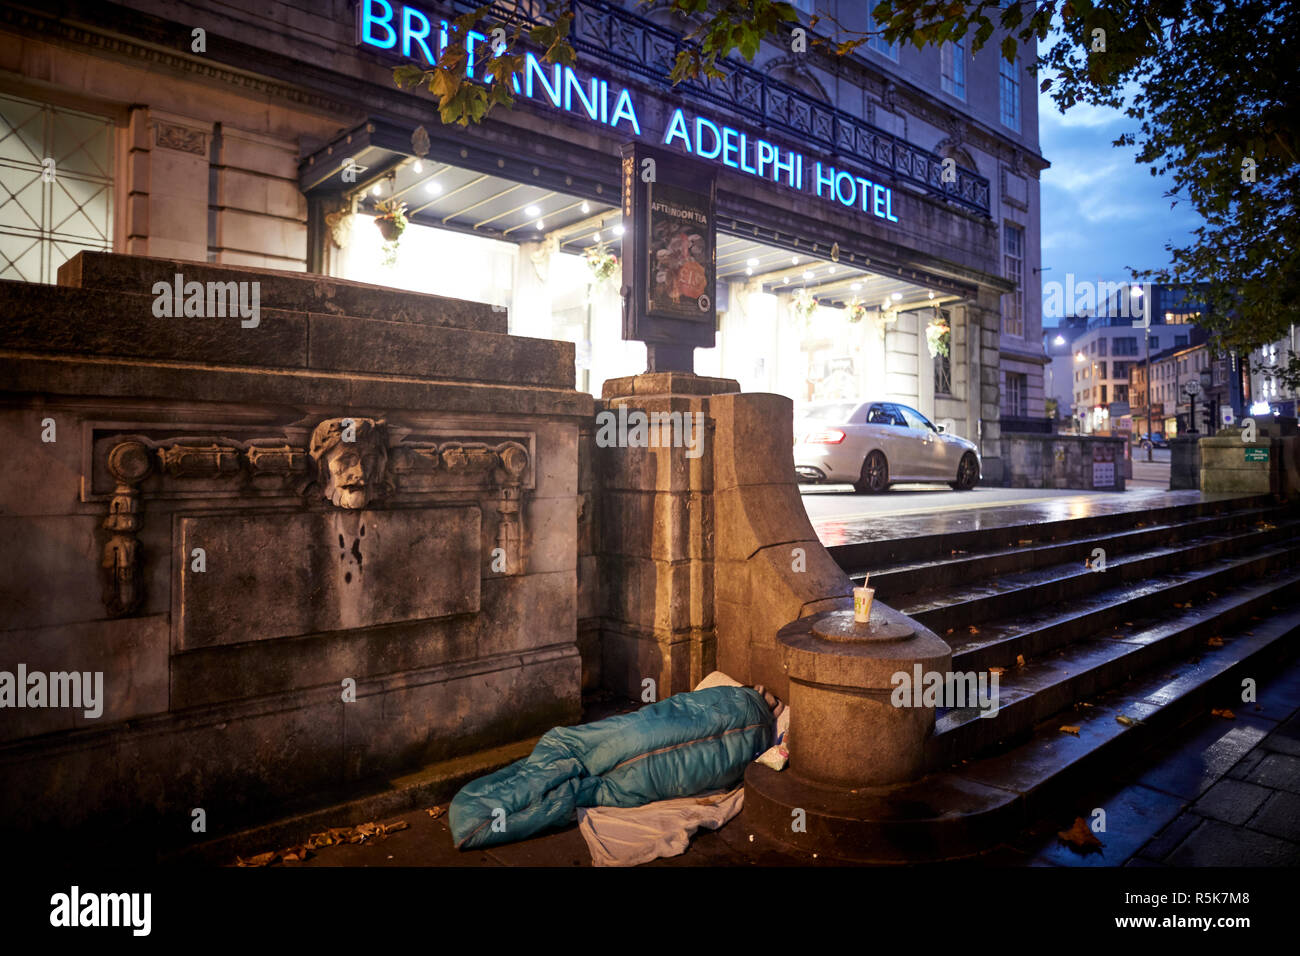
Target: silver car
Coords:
[[876, 444]]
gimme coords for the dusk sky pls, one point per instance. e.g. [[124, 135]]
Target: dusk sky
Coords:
[[1101, 212]]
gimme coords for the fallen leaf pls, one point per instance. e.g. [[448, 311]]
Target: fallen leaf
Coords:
[[1215, 642], [1020, 660], [261, 859], [1080, 838], [1127, 721], [1026, 541], [436, 812], [1224, 712], [1067, 729], [296, 854], [1083, 703], [973, 629]]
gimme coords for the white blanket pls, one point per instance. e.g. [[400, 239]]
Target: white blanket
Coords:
[[629, 836]]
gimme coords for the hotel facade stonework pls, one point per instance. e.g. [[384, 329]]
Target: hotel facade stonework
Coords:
[[871, 210]]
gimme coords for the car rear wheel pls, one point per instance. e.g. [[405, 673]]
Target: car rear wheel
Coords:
[[875, 475], [968, 472]]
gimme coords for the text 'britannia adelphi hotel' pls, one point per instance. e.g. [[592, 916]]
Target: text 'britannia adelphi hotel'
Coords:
[[875, 211]]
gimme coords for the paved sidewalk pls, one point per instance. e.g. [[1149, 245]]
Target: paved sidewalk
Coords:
[[1223, 792]]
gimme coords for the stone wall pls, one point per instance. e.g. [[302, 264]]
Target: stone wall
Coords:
[[323, 548], [1062, 461]]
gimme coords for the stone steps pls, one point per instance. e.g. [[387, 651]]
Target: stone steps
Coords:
[[893, 584], [924, 545], [1131, 641], [1114, 609], [1046, 686], [968, 605], [967, 810]]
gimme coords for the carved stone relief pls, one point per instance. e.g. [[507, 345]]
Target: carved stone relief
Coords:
[[351, 463]]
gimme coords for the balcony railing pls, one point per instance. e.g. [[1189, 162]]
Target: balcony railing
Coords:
[[607, 33]]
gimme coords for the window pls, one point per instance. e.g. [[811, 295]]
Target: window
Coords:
[[1101, 346], [943, 375], [1009, 92], [1101, 370], [883, 415], [952, 68], [1101, 391], [44, 223], [1121, 393], [1126, 346], [1016, 400], [1013, 263], [878, 43], [915, 419], [1180, 341]]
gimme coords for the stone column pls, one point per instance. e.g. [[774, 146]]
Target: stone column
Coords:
[[656, 537]]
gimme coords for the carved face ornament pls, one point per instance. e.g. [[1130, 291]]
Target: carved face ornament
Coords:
[[351, 456]]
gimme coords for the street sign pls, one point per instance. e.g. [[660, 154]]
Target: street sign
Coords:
[[1192, 387], [1227, 416], [1119, 409], [1257, 454]]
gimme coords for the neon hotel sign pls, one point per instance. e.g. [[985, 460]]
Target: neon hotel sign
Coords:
[[399, 28]]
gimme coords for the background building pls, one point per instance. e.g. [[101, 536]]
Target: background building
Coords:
[[1090, 374]]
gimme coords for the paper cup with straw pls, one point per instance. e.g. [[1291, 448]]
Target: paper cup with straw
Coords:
[[862, 598]]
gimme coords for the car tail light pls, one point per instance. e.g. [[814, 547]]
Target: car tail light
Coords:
[[827, 436]]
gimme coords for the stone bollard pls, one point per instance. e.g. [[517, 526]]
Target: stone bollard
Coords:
[[844, 729]]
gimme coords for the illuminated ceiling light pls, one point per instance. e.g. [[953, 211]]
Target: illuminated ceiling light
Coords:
[[618, 230], [831, 270], [531, 211], [749, 270], [897, 296], [1079, 357], [541, 224], [419, 166], [377, 189], [809, 274], [586, 207], [433, 188], [751, 262], [885, 304], [595, 237], [794, 260], [930, 295], [856, 287], [785, 280], [1059, 340]]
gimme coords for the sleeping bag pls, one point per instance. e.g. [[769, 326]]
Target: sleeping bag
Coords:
[[686, 744]]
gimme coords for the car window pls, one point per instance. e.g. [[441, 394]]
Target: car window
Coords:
[[835, 414], [915, 419], [881, 414]]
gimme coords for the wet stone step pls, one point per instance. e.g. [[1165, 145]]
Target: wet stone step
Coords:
[[999, 643], [893, 582], [1030, 694], [970, 605], [1045, 767]]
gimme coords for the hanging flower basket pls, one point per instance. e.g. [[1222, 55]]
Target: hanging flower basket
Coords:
[[805, 303], [857, 311], [937, 336], [392, 223], [602, 263]]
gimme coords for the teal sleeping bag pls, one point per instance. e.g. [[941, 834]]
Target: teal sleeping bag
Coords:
[[688, 743]]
